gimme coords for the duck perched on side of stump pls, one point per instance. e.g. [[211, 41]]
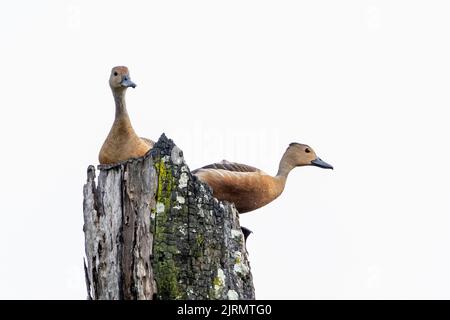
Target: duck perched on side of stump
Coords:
[[122, 142], [250, 188]]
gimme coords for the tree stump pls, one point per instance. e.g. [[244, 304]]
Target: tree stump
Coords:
[[154, 231]]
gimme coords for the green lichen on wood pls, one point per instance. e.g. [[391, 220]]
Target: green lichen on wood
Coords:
[[197, 247], [200, 240], [167, 280], [218, 285], [217, 282], [165, 183], [166, 272]]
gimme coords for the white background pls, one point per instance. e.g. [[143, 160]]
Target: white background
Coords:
[[364, 83]]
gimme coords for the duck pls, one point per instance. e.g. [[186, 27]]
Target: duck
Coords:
[[122, 142], [250, 188]]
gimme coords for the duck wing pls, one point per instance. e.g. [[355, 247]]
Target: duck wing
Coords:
[[247, 187], [228, 166], [148, 141]]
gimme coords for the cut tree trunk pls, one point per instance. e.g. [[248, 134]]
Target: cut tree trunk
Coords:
[[154, 231]]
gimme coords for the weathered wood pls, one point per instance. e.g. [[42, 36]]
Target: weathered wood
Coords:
[[153, 230]]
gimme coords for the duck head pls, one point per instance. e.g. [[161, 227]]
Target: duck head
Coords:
[[303, 155], [120, 79]]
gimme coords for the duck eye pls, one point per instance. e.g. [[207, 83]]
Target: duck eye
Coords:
[[115, 73], [307, 150]]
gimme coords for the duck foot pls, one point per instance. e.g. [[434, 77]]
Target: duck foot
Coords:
[[246, 232]]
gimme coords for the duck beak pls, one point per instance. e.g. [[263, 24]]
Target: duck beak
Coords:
[[321, 164], [126, 82]]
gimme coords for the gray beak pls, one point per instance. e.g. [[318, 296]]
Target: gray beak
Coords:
[[321, 164], [126, 82]]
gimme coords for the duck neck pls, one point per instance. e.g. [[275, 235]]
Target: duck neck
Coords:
[[283, 171], [121, 107], [285, 167]]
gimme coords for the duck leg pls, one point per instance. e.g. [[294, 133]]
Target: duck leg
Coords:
[[246, 233]]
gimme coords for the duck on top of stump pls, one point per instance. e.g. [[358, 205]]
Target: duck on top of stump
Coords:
[[122, 142], [250, 188]]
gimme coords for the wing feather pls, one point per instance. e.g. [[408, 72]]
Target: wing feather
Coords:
[[228, 166]]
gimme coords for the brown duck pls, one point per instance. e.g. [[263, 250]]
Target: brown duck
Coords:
[[250, 188], [122, 142]]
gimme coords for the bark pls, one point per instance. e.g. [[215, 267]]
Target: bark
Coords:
[[153, 230]]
